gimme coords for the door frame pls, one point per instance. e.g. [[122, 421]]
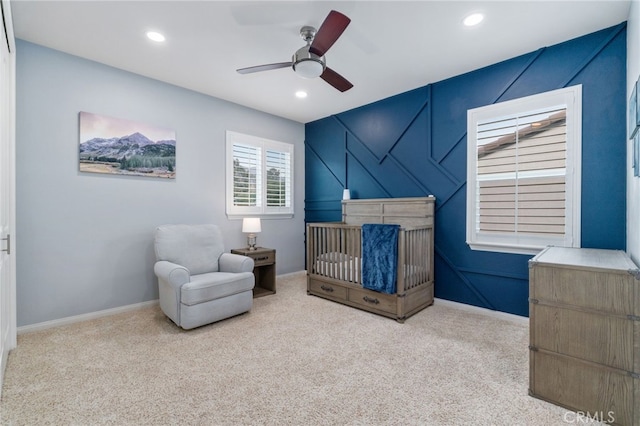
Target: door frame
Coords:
[[8, 326]]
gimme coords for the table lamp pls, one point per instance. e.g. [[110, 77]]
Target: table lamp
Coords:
[[251, 226]]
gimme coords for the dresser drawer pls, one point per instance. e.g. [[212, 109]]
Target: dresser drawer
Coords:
[[591, 336], [374, 300], [593, 279], [328, 290], [586, 387]]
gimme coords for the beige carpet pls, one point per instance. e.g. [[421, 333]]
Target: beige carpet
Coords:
[[294, 359]]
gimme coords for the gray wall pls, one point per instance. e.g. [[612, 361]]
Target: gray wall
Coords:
[[84, 241]]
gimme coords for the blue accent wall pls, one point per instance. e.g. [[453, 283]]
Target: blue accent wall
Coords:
[[414, 144]]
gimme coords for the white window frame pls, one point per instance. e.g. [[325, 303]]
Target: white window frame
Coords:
[[517, 243], [261, 209]]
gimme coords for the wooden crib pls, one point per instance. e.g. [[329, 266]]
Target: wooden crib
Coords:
[[334, 256]]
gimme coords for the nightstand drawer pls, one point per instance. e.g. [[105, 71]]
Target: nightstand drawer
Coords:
[[263, 258], [260, 256]]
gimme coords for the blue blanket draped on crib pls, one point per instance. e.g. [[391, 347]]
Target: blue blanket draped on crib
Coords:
[[380, 257]]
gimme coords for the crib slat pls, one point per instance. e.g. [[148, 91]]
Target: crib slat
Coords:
[[401, 283], [423, 255], [358, 263], [418, 246], [346, 231], [415, 259], [323, 245], [411, 260], [316, 249]]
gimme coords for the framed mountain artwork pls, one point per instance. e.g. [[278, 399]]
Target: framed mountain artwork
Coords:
[[121, 147]]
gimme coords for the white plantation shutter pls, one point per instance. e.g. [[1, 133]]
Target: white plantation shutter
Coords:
[[278, 178], [521, 171], [524, 173], [259, 176], [247, 179]]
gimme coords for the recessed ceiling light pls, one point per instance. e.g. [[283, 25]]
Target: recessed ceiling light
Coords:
[[155, 36], [473, 19], [301, 94]]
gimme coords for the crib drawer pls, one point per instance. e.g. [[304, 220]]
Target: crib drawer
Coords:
[[329, 290], [374, 300]]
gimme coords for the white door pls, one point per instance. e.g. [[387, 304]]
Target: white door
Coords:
[[7, 189]]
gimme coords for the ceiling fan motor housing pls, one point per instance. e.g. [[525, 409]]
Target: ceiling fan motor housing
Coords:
[[307, 64]]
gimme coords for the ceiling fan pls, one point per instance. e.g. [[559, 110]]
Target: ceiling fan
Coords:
[[308, 61]]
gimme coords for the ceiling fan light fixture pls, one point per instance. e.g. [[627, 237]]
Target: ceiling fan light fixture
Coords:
[[309, 68]]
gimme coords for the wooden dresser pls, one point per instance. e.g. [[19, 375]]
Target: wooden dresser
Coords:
[[584, 313]]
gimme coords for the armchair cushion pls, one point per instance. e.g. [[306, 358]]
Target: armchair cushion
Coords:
[[196, 247], [215, 285]]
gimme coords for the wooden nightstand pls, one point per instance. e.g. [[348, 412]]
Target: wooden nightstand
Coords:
[[264, 269]]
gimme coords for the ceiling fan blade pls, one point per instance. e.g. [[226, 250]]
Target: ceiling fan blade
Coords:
[[266, 67], [336, 80], [331, 29]]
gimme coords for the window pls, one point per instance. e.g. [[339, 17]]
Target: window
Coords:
[[259, 176], [523, 173]]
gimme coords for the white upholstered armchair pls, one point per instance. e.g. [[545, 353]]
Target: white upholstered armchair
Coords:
[[199, 283]]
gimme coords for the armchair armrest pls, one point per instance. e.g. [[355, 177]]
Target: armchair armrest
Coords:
[[171, 278], [230, 262], [171, 273]]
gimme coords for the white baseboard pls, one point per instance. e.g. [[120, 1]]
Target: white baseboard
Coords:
[[84, 317], [483, 311], [290, 274], [99, 314], [93, 315]]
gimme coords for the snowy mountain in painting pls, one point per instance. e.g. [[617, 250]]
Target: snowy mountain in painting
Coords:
[[128, 146]]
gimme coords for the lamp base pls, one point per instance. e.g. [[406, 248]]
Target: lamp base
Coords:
[[251, 242]]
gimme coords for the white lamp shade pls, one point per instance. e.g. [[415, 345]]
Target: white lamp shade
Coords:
[[346, 194], [251, 225]]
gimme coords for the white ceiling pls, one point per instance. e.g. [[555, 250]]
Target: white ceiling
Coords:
[[390, 47]]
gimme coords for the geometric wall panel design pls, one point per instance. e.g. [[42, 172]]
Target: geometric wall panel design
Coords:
[[414, 144]]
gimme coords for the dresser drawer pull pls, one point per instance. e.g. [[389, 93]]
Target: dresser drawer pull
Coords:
[[371, 300], [327, 288], [262, 258]]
